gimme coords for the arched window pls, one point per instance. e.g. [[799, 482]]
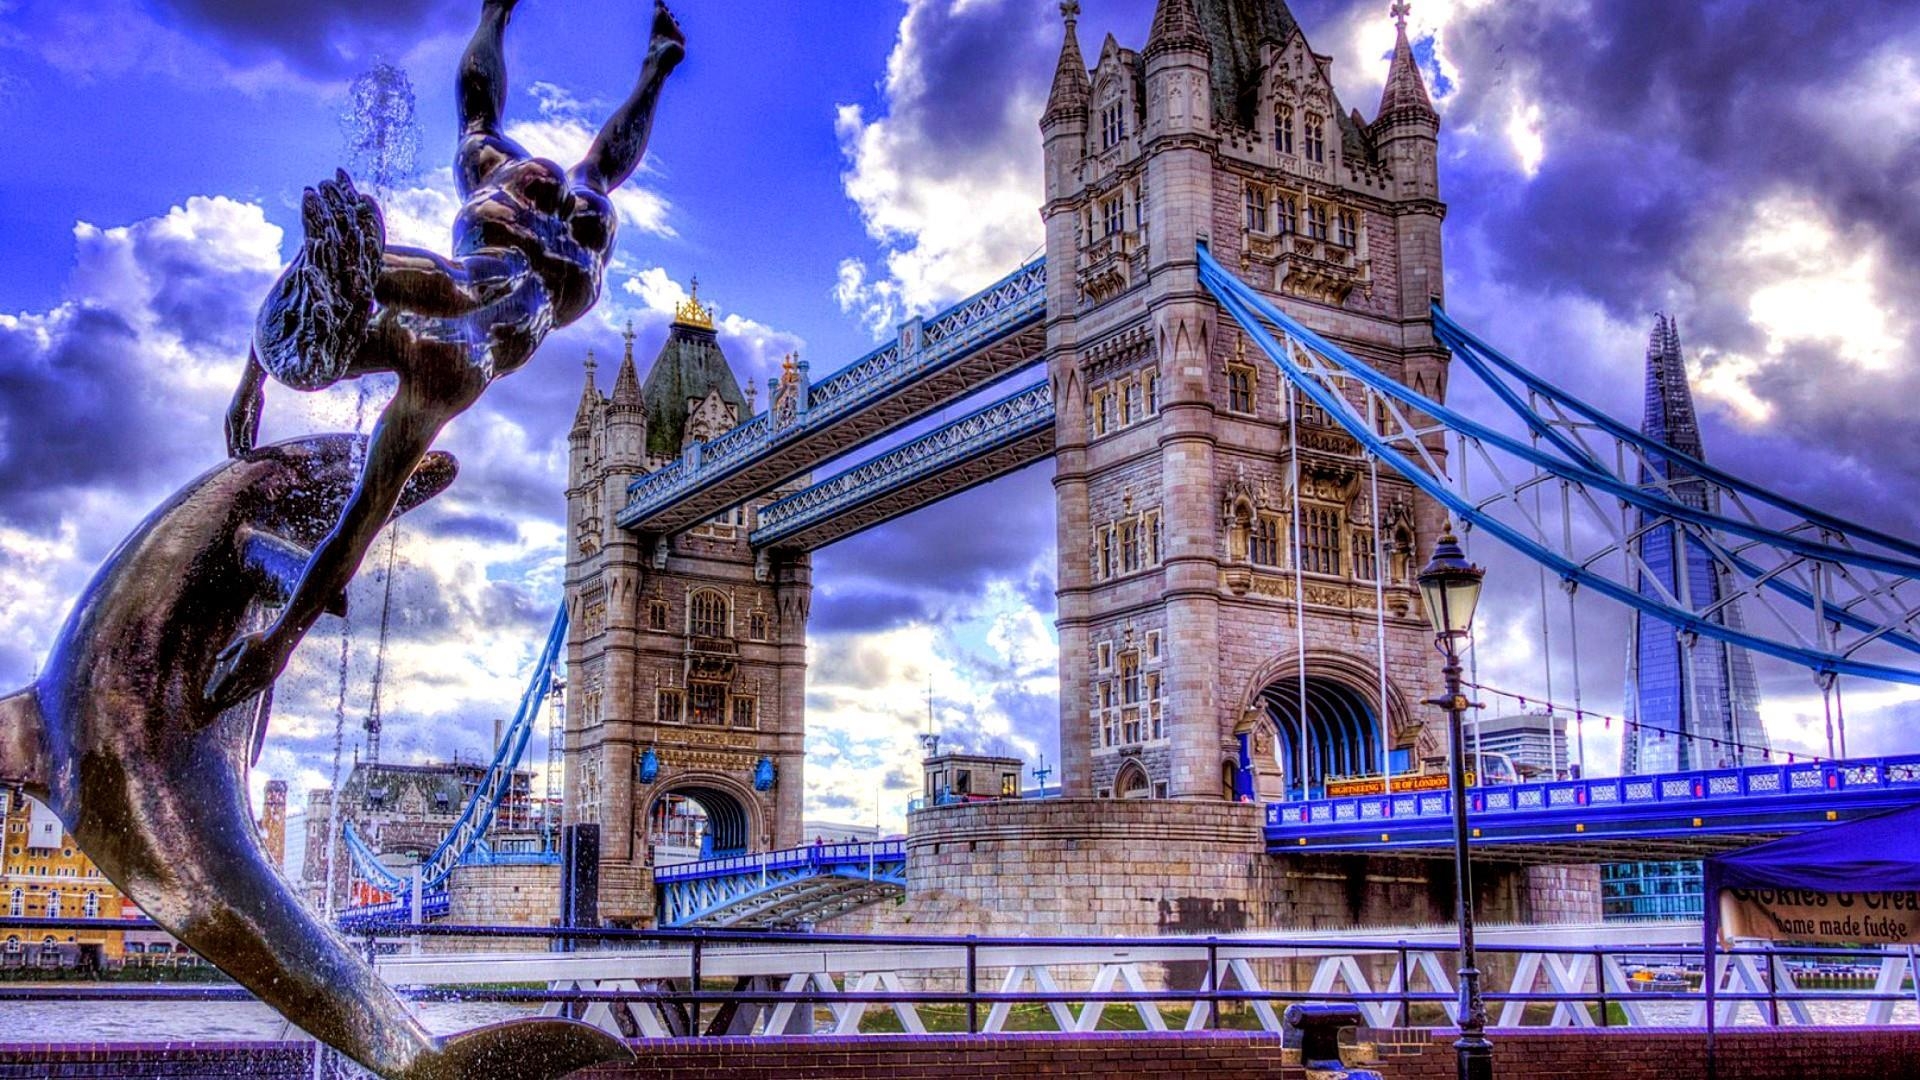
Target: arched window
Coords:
[[53, 904], [13, 945], [707, 614], [17, 905], [1131, 783], [1316, 138], [1283, 129], [92, 905]]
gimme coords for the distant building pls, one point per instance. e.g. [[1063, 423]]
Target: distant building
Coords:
[[1535, 742], [963, 777], [1651, 890], [839, 832], [273, 823], [403, 812]]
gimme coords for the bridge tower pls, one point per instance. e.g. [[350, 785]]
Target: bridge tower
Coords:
[[1183, 491], [686, 655]]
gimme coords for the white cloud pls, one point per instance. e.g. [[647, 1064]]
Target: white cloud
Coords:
[[563, 135]]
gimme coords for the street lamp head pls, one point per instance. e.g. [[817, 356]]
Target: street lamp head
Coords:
[[1451, 586]]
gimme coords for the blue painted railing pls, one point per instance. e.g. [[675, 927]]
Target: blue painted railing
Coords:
[[982, 431], [433, 905], [1753, 787], [1013, 303], [811, 857]]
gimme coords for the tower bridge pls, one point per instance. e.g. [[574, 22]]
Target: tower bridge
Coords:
[[1239, 317]]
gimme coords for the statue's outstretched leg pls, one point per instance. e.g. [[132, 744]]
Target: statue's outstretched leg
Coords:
[[316, 318], [622, 141]]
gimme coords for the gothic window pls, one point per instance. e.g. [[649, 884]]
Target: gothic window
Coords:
[[1140, 206], [1286, 214], [1129, 552], [1106, 552], [1108, 408], [707, 614], [1309, 412], [1346, 228], [743, 712], [1316, 138], [706, 703], [1113, 124], [1153, 644], [1363, 563], [1320, 539], [1150, 530], [1317, 221], [1133, 402], [1153, 392], [657, 616], [1132, 782], [1155, 731], [1113, 216], [757, 626], [1264, 548], [1240, 389], [1256, 209], [1105, 655], [1130, 725], [1130, 685], [666, 707], [1283, 129]]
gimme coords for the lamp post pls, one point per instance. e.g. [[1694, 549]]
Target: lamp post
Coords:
[[1451, 586]]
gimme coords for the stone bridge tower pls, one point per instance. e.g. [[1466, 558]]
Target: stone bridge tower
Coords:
[[1182, 492], [686, 656]]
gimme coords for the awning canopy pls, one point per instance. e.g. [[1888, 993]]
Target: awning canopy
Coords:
[[1874, 854]]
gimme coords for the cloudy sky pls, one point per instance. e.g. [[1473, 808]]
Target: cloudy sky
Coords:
[[827, 169]]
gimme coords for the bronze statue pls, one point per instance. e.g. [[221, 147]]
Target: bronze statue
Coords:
[[151, 778], [531, 246]]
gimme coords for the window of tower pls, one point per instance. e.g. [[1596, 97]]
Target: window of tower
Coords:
[[1316, 221], [1364, 566], [657, 616], [1286, 213], [707, 614], [1113, 216], [1132, 781], [1129, 557], [1152, 381], [757, 626], [1309, 412], [1132, 403], [666, 706], [1154, 730], [743, 712], [1264, 544], [1283, 129], [1240, 383], [1140, 206], [1256, 209], [1113, 124], [1130, 684], [706, 703], [1320, 539], [1346, 228], [1316, 138]]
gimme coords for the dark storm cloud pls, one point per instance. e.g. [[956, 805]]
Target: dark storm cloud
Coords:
[[969, 59], [324, 38], [498, 530], [837, 610]]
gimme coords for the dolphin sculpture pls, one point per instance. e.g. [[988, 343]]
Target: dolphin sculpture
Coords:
[[118, 738]]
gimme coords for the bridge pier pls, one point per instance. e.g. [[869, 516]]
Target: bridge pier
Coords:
[[1112, 868]]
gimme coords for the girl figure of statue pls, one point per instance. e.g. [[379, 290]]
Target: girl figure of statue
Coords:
[[531, 245]]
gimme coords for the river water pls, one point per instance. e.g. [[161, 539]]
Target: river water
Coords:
[[203, 1021]]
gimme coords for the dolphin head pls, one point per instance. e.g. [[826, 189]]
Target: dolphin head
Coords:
[[303, 484]]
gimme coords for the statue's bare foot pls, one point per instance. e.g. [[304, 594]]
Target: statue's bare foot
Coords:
[[244, 668], [669, 43], [319, 315]]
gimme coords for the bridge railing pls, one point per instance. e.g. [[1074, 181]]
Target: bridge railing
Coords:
[[816, 856], [1759, 783], [922, 346]]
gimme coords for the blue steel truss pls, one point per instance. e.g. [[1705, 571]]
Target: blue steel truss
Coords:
[[1003, 309], [465, 838], [433, 905], [1008, 420], [1827, 589], [780, 888], [1673, 815]]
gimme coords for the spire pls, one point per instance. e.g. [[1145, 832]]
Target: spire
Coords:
[[626, 385], [1406, 91], [1669, 406], [589, 398], [1176, 25], [1071, 87]]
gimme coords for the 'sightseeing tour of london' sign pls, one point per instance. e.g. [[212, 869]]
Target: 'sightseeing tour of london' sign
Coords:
[[1865, 918]]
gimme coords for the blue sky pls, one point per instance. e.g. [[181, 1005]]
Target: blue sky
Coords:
[[825, 169]]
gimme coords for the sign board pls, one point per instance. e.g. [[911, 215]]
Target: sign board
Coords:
[[1864, 918], [1342, 789]]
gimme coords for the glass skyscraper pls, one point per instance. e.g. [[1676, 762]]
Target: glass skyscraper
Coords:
[[1691, 704]]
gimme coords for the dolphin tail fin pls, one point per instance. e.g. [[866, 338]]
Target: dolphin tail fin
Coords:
[[531, 1048], [23, 742]]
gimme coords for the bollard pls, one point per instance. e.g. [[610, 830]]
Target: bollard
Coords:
[[1314, 1030]]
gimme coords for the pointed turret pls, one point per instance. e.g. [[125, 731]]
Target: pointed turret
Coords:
[[1071, 87], [626, 385], [1405, 95], [589, 400], [1176, 26]]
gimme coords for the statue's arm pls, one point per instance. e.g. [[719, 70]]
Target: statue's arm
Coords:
[[428, 284], [243, 415]]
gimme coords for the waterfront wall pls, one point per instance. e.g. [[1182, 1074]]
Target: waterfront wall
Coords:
[[500, 896], [1617, 1054], [1146, 867]]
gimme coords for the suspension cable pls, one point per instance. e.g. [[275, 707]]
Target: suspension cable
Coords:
[[1380, 606], [1299, 590]]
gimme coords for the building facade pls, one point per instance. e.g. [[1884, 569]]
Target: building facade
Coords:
[[1207, 527], [686, 654], [1535, 742], [1692, 702]]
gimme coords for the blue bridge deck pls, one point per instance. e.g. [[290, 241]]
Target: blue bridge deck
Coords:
[[1671, 816]]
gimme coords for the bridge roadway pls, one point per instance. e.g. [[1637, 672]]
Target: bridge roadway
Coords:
[[780, 888], [931, 363]]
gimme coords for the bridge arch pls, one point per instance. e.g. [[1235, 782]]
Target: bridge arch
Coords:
[[1344, 733], [724, 818]]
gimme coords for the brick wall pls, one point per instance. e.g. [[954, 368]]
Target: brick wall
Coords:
[[1649, 1053]]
